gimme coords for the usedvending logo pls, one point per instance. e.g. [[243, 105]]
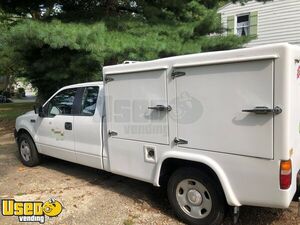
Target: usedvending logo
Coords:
[[298, 72], [28, 211]]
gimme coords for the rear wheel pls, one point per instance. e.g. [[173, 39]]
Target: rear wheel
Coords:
[[27, 150], [196, 197]]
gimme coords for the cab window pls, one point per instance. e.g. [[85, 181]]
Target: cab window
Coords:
[[89, 101], [62, 103]]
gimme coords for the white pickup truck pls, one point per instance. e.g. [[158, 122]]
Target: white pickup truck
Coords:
[[219, 129]]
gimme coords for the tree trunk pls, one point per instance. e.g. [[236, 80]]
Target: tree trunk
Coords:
[[6, 82]]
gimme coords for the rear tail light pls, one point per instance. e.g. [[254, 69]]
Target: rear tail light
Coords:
[[285, 174]]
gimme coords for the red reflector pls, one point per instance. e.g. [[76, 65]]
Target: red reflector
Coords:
[[285, 174], [285, 181]]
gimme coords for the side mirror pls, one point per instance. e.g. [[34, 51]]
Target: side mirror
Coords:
[[41, 111]]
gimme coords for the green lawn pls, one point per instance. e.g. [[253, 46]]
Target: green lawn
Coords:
[[9, 112]]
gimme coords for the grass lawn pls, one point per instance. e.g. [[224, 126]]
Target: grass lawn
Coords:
[[9, 112]]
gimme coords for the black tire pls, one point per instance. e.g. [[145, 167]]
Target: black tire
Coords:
[[34, 157], [215, 197]]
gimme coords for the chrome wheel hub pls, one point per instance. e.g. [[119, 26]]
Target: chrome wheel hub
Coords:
[[193, 198], [25, 150]]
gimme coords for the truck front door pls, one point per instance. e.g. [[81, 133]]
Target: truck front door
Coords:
[[55, 136]]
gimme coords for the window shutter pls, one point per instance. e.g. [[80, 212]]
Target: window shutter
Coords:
[[230, 25], [253, 23]]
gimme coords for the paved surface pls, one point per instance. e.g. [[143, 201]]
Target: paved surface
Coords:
[[90, 196], [28, 98]]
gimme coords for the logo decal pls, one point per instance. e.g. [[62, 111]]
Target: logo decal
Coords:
[[31, 211], [298, 72], [57, 134]]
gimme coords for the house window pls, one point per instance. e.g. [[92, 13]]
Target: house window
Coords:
[[242, 25]]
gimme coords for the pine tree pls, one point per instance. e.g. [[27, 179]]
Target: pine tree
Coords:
[[61, 42]]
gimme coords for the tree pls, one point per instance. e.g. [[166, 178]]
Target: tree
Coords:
[[67, 41], [8, 66]]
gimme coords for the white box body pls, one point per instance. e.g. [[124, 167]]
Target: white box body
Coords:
[[244, 149]]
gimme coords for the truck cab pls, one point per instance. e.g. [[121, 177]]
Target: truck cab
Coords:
[[67, 126]]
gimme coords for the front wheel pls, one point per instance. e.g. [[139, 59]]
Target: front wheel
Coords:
[[196, 197], [27, 150]]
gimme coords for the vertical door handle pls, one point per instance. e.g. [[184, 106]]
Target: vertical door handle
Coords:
[[68, 126]]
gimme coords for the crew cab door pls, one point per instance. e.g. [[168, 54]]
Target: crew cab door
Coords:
[[55, 136], [88, 126]]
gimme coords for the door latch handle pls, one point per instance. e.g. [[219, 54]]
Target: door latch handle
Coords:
[[264, 110], [161, 108], [179, 141], [68, 126], [112, 133]]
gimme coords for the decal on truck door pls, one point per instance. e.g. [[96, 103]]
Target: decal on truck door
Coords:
[[57, 134]]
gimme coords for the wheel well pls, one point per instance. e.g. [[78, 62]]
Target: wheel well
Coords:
[[23, 131], [172, 164]]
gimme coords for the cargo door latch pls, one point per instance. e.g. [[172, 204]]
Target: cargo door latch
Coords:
[[264, 110]]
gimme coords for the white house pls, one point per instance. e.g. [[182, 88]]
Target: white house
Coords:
[[271, 22]]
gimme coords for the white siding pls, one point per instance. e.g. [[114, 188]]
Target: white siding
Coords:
[[278, 20]]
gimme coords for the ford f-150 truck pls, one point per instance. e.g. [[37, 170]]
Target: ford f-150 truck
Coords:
[[218, 129]]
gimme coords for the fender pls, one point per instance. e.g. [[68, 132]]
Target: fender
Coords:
[[229, 193], [30, 131], [26, 125]]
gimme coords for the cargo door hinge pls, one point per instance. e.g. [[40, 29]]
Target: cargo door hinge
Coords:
[[112, 133], [108, 79], [179, 141], [177, 74]]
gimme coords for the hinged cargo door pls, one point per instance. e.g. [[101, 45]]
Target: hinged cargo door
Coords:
[[137, 106], [210, 100]]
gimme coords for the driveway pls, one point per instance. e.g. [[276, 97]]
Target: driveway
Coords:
[[90, 196], [27, 98]]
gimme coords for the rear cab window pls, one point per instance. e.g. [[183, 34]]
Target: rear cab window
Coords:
[[89, 101]]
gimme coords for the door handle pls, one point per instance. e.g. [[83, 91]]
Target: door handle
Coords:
[[161, 108], [264, 110], [68, 126]]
